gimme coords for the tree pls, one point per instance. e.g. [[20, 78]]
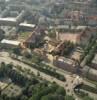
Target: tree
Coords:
[[2, 34], [28, 55], [52, 33], [61, 91], [52, 97], [38, 73], [24, 97], [17, 51], [68, 97], [3, 64]]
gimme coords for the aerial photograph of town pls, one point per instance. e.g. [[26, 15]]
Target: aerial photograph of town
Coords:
[[48, 49]]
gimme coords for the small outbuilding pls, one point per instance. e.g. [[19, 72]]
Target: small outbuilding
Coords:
[[9, 43]]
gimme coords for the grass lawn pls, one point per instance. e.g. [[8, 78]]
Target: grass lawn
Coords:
[[24, 35]]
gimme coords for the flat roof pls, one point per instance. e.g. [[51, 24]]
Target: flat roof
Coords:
[[63, 26], [71, 27], [66, 60], [11, 42], [8, 19], [81, 27], [27, 25], [69, 37]]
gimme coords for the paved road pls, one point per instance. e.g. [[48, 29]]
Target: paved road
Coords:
[[5, 58], [69, 75], [70, 79]]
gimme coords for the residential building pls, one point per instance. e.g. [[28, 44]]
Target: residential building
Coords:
[[9, 43], [77, 35], [65, 63]]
